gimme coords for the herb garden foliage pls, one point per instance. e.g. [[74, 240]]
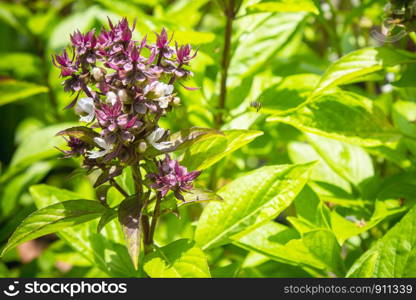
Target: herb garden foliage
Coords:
[[207, 139]]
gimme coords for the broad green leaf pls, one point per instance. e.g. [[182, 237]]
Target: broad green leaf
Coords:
[[54, 218], [106, 218], [249, 202], [343, 116], [265, 35], [40, 145], [310, 208], [284, 6], [291, 92], [12, 90], [301, 153], [46, 195], [180, 259], [208, 151], [280, 243], [344, 229], [394, 255], [362, 62], [350, 162], [105, 250], [324, 246]]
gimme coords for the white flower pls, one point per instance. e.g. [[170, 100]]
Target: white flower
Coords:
[[86, 109], [155, 136], [161, 91], [102, 144], [111, 98]]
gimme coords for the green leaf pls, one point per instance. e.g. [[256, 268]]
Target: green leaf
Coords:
[[83, 133], [185, 138], [344, 229], [249, 202], [362, 62], [280, 243], [324, 246], [394, 255], [350, 162], [40, 145], [291, 92], [404, 117], [106, 218], [46, 195], [284, 6], [13, 189], [210, 150], [343, 116], [12, 90], [129, 218], [105, 250], [311, 209], [180, 259], [301, 153], [54, 218], [265, 35]]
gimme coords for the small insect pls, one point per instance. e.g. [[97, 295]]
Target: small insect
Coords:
[[256, 104]]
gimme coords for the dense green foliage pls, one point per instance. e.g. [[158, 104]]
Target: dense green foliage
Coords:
[[307, 154]]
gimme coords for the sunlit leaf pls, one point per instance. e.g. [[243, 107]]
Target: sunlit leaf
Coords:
[[392, 256], [180, 259], [54, 218], [343, 116], [249, 202], [284, 6]]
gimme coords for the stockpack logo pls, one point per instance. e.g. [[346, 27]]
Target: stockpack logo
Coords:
[[65, 288], [12, 289]]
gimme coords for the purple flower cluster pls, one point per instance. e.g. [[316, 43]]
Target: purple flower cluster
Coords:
[[123, 87], [172, 176]]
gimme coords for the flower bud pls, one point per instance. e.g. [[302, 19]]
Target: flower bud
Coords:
[[176, 101], [122, 94], [97, 73], [142, 147], [111, 98]]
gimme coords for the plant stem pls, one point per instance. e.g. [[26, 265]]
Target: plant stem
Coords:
[[156, 214], [138, 184], [119, 188], [230, 13]]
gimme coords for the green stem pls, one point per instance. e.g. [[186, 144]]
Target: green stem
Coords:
[[141, 198], [156, 215], [230, 13]]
